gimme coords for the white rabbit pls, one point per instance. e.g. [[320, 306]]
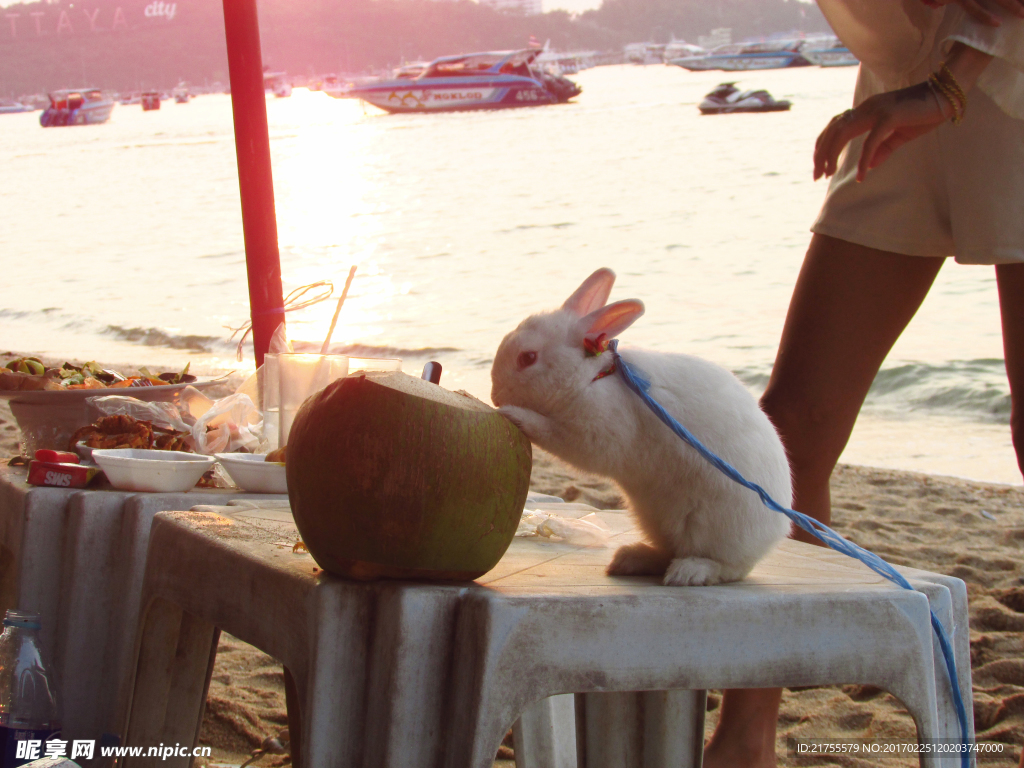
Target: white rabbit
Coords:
[[703, 528]]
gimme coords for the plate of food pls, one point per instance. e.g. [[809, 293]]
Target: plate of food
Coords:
[[27, 380], [50, 404]]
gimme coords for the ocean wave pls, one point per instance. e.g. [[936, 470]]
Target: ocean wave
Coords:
[[155, 337], [976, 389], [158, 337], [368, 350]]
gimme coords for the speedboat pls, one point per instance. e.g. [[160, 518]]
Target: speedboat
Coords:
[[471, 81], [680, 49], [150, 101], [9, 107], [332, 86], [77, 106], [744, 56], [181, 94], [728, 98], [833, 56], [644, 53]]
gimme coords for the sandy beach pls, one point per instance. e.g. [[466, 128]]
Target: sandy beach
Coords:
[[974, 531]]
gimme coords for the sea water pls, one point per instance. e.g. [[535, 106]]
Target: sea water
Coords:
[[123, 242]]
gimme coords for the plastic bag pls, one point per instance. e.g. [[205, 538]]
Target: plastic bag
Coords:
[[581, 532], [160, 414], [225, 425], [216, 426]]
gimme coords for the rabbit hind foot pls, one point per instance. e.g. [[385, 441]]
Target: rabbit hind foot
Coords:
[[638, 560], [692, 572]]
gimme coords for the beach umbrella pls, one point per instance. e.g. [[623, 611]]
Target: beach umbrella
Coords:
[[255, 180]]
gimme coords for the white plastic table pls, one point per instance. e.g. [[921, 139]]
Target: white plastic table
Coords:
[[77, 557], [408, 675]]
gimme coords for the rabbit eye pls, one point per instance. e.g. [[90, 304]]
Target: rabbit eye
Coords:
[[526, 359]]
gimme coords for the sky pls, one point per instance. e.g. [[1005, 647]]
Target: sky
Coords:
[[572, 6]]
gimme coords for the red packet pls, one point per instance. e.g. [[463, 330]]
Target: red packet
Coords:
[[56, 457], [60, 475]]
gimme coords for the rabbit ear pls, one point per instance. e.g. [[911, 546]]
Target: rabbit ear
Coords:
[[592, 294], [613, 319]]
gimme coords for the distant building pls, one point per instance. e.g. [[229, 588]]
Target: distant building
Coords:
[[717, 37], [525, 7]]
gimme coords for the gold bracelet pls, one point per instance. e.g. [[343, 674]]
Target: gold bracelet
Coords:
[[944, 82], [947, 77], [942, 89]]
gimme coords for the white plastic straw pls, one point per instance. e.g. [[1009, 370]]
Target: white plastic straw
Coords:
[[334, 320]]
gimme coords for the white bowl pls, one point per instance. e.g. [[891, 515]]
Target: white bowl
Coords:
[[251, 472], [136, 469]]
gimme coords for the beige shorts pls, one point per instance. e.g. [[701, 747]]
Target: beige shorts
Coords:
[[957, 191]]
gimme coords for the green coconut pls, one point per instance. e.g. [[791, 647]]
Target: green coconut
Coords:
[[390, 476]]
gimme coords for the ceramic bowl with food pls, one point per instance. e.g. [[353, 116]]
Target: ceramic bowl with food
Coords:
[[136, 469], [253, 473]]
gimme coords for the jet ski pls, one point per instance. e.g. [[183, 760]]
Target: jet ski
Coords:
[[728, 98]]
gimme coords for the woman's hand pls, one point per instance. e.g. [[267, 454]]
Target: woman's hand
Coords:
[[890, 120]]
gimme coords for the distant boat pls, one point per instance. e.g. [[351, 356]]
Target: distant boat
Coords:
[[341, 89], [181, 94], [277, 83], [77, 106], [150, 101], [9, 107], [736, 57], [492, 80], [331, 85], [835, 56], [568, 63], [679, 49], [644, 53]]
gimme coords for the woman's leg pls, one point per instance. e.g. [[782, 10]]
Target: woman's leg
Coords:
[[1010, 278], [849, 306]]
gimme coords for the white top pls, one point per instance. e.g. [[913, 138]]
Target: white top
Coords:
[[900, 42]]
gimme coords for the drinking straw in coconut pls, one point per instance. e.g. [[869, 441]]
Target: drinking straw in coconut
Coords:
[[334, 320]]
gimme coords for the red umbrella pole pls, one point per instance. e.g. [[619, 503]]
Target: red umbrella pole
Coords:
[[255, 180]]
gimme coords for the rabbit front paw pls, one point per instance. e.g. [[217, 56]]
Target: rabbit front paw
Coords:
[[692, 572], [533, 425], [638, 560]]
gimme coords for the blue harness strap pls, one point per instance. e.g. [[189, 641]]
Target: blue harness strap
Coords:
[[641, 386]]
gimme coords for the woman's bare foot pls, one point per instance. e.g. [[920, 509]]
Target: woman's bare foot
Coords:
[[745, 736]]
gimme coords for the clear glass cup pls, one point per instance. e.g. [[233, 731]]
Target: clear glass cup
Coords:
[[288, 379]]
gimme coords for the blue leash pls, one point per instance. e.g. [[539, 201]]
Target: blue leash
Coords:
[[641, 386]]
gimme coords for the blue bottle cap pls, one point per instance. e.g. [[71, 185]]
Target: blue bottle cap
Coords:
[[22, 620]]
